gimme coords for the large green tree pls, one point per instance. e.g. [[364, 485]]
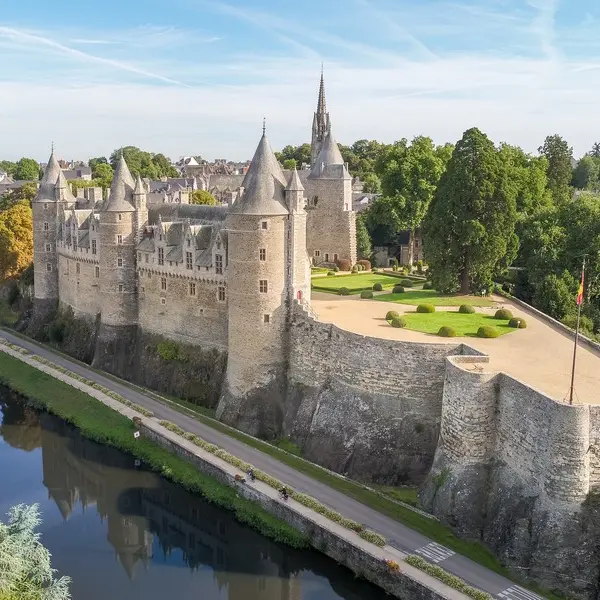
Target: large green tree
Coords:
[[102, 174], [144, 163], [301, 154], [203, 197], [27, 169], [8, 166], [94, 162], [469, 233], [586, 175], [560, 169], [363, 241]]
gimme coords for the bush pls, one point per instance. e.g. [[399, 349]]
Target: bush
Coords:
[[394, 268], [366, 295], [391, 314], [427, 285], [419, 266], [398, 289], [518, 323], [169, 350], [466, 309], [377, 287], [343, 291], [406, 283], [336, 269], [14, 294], [398, 322], [331, 273], [503, 314], [487, 331], [344, 264], [425, 308], [446, 331], [56, 332], [355, 269], [586, 325], [375, 270], [365, 264]]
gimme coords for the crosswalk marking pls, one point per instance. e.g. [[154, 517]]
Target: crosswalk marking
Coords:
[[435, 552], [518, 593]]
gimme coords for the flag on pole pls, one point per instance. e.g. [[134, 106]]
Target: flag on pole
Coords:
[[580, 292]]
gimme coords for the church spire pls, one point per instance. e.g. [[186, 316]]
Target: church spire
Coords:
[[321, 123], [321, 106]]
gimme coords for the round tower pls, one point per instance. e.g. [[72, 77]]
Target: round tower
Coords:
[[45, 207], [258, 300]]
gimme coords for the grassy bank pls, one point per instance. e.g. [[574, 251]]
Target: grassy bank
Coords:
[[103, 425], [464, 324]]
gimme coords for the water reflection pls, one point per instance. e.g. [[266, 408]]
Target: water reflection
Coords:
[[152, 526]]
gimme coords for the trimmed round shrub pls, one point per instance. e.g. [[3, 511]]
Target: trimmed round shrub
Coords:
[[398, 289], [366, 295], [425, 308], [503, 314], [406, 283], [358, 267], [344, 291], [466, 309], [375, 270], [517, 323], [355, 269], [392, 314], [446, 331], [336, 268], [364, 263], [344, 264], [487, 331], [331, 273], [398, 322], [427, 285], [377, 287]]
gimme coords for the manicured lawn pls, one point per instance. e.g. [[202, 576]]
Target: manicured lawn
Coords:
[[465, 325], [415, 297], [355, 283]]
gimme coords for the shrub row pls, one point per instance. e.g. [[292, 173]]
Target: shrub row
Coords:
[[303, 499], [407, 283], [451, 580], [343, 291]]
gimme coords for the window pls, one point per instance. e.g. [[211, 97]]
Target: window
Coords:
[[120, 216], [160, 238], [149, 275], [119, 239], [192, 289], [188, 261], [146, 257], [163, 301], [317, 253], [139, 257], [46, 226], [326, 257], [94, 247], [48, 267], [45, 206], [77, 268], [161, 256], [264, 286], [218, 244], [264, 225], [97, 272], [266, 318], [219, 264], [163, 283], [221, 294], [119, 262], [189, 242], [262, 254], [335, 258], [48, 248], [120, 287]]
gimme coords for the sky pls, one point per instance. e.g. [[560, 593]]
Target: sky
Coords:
[[189, 77]]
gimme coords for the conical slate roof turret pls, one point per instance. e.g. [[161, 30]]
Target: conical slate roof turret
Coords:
[[295, 185], [63, 189], [329, 155], [48, 183], [139, 186], [263, 186], [121, 189]]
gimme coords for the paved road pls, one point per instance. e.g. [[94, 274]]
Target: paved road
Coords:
[[397, 534]]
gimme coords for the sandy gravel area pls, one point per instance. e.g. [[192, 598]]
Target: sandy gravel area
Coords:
[[540, 355]]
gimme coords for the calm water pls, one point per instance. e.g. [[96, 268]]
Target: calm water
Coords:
[[123, 533]]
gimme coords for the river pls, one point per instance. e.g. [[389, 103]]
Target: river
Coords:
[[123, 533]]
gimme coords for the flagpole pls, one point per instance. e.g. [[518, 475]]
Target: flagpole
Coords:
[[576, 337]]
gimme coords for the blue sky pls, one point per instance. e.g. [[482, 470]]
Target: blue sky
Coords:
[[197, 76]]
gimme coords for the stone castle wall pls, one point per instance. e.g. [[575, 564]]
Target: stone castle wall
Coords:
[[79, 286]]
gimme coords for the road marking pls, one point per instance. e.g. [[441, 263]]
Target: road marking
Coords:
[[435, 552], [518, 593]]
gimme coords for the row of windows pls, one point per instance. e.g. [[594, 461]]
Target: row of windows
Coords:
[[327, 255]]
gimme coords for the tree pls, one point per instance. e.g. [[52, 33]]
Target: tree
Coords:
[[595, 151], [16, 239], [27, 170], [289, 163], [363, 241], [25, 568], [8, 167], [164, 166], [94, 162], [102, 174], [301, 154], [26, 193], [560, 169], [143, 163], [371, 184], [203, 197], [469, 230], [587, 173], [556, 295]]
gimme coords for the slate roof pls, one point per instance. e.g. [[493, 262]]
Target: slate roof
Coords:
[[49, 179], [329, 155], [121, 190]]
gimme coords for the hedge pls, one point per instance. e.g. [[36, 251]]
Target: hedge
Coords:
[[365, 264], [487, 331], [366, 295], [518, 323], [344, 264], [391, 314], [425, 308], [466, 309], [446, 331], [503, 314]]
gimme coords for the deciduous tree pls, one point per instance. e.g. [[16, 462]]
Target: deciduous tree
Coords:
[[27, 169], [363, 241], [102, 174], [560, 170], [16, 239], [8, 167], [587, 173], [203, 197]]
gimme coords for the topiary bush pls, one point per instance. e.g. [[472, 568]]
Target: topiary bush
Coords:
[[398, 322], [503, 314], [365, 264], [392, 314], [331, 273], [447, 331], [425, 308], [344, 264], [466, 309], [336, 268], [355, 269], [377, 287], [358, 267], [343, 291], [518, 323], [366, 295], [398, 289], [375, 270], [406, 283], [427, 285], [487, 331]]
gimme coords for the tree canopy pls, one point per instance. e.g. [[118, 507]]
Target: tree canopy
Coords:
[[27, 169], [8, 166], [301, 154], [560, 169], [144, 164], [16, 239], [203, 197]]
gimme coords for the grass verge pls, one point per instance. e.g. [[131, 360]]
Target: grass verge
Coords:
[[103, 425], [414, 297], [465, 325], [356, 283]]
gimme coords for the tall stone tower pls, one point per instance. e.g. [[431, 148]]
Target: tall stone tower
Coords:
[[46, 208], [258, 297], [118, 282], [321, 124]]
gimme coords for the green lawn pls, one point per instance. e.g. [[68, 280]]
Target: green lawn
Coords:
[[415, 297], [465, 325], [355, 283]]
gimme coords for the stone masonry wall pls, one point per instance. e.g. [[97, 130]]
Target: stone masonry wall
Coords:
[[79, 286]]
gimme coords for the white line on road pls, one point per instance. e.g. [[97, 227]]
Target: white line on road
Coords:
[[435, 552], [518, 593]]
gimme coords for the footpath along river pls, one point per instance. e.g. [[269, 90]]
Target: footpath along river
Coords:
[[124, 533]]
